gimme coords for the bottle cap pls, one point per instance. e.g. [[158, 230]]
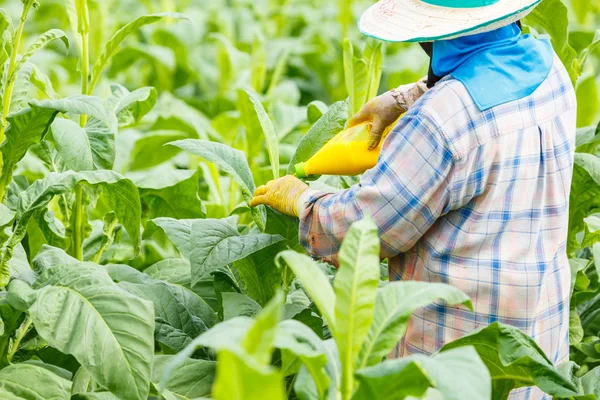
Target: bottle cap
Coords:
[[300, 172]]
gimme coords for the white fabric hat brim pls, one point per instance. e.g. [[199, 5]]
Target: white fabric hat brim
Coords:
[[417, 21]]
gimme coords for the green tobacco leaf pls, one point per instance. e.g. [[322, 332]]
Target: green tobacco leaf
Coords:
[[215, 243], [355, 287], [374, 57], [29, 381], [255, 117], [258, 65], [79, 310], [131, 107], [260, 274], [49, 257], [349, 75], [177, 230], [575, 328], [449, 372], [300, 342], [227, 158], [120, 194], [584, 198], [237, 304], [231, 161], [244, 371], [150, 149], [193, 379], [241, 377], [41, 41], [320, 133], [514, 360], [394, 305], [589, 382], [177, 272], [180, 314], [314, 281], [27, 127], [73, 145], [21, 88], [259, 341], [171, 193], [45, 229], [81, 104], [315, 110], [114, 43], [588, 104], [285, 226]]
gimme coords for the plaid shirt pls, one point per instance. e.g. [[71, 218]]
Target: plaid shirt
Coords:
[[478, 200]]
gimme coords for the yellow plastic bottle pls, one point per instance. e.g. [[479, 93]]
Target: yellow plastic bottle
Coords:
[[347, 153]]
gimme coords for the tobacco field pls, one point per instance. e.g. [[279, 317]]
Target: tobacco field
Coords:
[[132, 137]]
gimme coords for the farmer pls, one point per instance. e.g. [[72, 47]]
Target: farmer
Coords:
[[472, 184]]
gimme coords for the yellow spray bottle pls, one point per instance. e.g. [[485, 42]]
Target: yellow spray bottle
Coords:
[[347, 153]]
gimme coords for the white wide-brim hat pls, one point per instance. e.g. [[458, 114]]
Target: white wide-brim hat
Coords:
[[429, 20]]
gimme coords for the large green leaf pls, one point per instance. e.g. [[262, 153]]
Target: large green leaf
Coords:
[[114, 43], [73, 145], [458, 374], [393, 308], [215, 243], [259, 273], [227, 158], [171, 193], [244, 371], [26, 128], [255, 117], [355, 288], [193, 379], [231, 161], [28, 381], [180, 314], [514, 360], [331, 123], [242, 377], [298, 341], [315, 282], [131, 107], [584, 197], [150, 150], [120, 194], [41, 41], [177, 230], [80, 311], [259, 341]]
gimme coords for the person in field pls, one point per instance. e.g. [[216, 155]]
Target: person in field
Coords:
[[472, 184]]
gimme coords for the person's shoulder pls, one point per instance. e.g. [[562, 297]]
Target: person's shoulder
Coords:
[[450, 108]]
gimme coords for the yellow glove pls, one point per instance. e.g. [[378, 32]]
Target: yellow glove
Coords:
[[386, 108], [282, 194]]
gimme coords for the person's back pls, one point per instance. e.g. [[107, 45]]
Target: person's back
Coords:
[[503, 238]]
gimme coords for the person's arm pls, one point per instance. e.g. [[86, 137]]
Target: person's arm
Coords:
[[405, 193]]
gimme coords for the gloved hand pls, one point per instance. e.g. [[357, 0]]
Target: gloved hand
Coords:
[[282, 194], [384, 109]]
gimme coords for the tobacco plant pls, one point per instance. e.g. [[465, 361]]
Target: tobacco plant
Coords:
[[131, 266]]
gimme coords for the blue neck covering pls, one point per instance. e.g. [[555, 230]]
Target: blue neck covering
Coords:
[[496, 67]]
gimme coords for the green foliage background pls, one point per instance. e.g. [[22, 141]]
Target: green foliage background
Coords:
[[131, 267]]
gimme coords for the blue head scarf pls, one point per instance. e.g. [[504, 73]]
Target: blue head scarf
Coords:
[[496, 67]]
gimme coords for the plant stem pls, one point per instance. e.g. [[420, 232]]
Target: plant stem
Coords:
[[10, 83], [78, 210], [78, 207], [109, 241], [17, 341]]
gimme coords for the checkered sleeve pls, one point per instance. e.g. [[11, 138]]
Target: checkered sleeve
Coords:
[[404, 193]]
